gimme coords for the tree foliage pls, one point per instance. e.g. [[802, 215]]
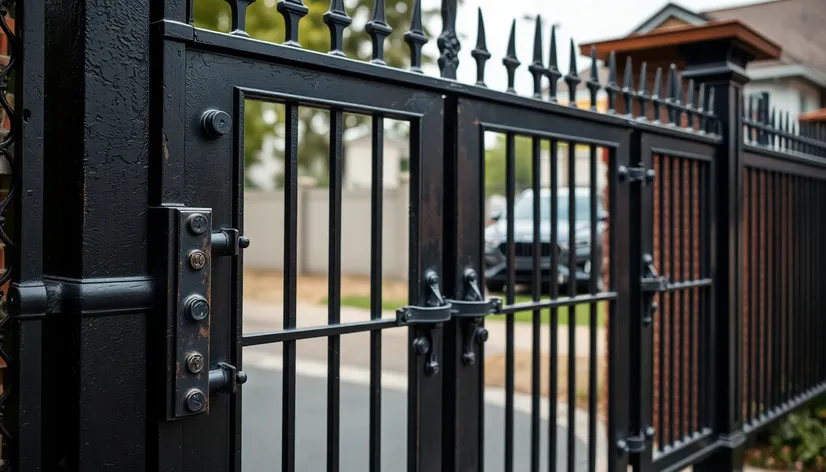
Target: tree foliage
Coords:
[[265, 23], [496, 164]]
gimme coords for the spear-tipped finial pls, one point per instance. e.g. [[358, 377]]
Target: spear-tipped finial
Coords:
[[536, 68], [642, 93], [628, 86], [292, 11], [671, 101], [593, 82], [510, 61], [553, 68], [238, 14], [689, 104], [657, 93], [612, 88], [710, 111], [701, 111], [572, 78], [448, 41], [415, 37], [379, 30], [337, 20], [480, 53]]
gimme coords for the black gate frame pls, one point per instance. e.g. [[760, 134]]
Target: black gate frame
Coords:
[[114, 122]]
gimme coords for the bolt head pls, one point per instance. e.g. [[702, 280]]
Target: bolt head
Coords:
[[197, 308], [433, 279], [481, 335], [421, 346], [241, 377], [216, 123], [197, 259], [469, 358], [198, 223], [243, 242], [195, 363], [195, 400], [431, 368]]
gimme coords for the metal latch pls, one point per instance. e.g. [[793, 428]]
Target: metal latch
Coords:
[[638, 443], [437, 311], [651, 284], [636, 174], [472, 309]]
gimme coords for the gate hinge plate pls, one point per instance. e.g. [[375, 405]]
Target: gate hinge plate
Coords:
[[652, 281]]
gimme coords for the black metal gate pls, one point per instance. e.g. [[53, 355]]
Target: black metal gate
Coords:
[[124, 235]]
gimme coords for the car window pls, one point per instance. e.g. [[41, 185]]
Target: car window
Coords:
[[523, 207]]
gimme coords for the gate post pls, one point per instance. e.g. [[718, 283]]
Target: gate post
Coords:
[[720, 63]]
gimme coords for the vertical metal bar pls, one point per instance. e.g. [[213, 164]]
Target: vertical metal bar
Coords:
[[692, 192], [553, 388], [592, 326], [510, 177], [763, 243], [790, 286], [704, 323], [571, 308], [661, 428], [536, 292], [334, 292], [794, 340], [808, 309], [681, 311], [776, 289], [750, 251], [671, 299], [376, 275], [290, 260]]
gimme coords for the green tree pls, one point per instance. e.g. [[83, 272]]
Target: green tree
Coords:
[[266, 24], [496, 160]]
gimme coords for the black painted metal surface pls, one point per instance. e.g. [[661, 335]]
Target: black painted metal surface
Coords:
[[705, 277]]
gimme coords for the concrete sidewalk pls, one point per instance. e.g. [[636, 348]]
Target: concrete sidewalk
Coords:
[[262, 316]]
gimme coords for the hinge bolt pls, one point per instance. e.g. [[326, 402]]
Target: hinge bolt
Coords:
[[481, 335], [195, 363], [197, 223], [195, 400], [197, 307], [243, 242], [421, 346], [197, 259]]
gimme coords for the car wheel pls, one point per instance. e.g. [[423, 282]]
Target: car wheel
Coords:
[[495, 286]]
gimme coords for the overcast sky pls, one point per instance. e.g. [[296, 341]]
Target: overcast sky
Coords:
[[584, 20]]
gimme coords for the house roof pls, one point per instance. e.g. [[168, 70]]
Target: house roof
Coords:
[[796, 25], [818, 116], [670, 10]]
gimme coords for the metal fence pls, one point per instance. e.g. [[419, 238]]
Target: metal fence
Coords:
[[124, 336]]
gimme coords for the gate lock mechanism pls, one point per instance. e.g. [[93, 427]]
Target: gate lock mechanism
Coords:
[[651, 284], [185, 245], [473, 308], [436, 312], [636, 174]]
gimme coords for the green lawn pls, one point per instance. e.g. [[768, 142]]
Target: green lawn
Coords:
[[582, 312]]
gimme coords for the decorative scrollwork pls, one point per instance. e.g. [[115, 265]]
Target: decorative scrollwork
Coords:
[[7, 138]]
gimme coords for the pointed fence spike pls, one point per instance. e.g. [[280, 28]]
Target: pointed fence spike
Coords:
[[553, 68], [656, 93], [612, 88], [689, 105], [379, 30], [572, 78], [238, 14], [337, 20], [628, 86], [537, 68], [292, 11], [510, 61], [593, 82], [448, 41], [670, 102], [480, 53], [642, 92], [415, 37]]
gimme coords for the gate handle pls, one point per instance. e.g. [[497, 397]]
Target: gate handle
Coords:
[[651, 284], [437, 312]]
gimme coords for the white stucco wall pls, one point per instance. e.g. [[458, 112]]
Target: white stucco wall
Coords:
[[789, 94]]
